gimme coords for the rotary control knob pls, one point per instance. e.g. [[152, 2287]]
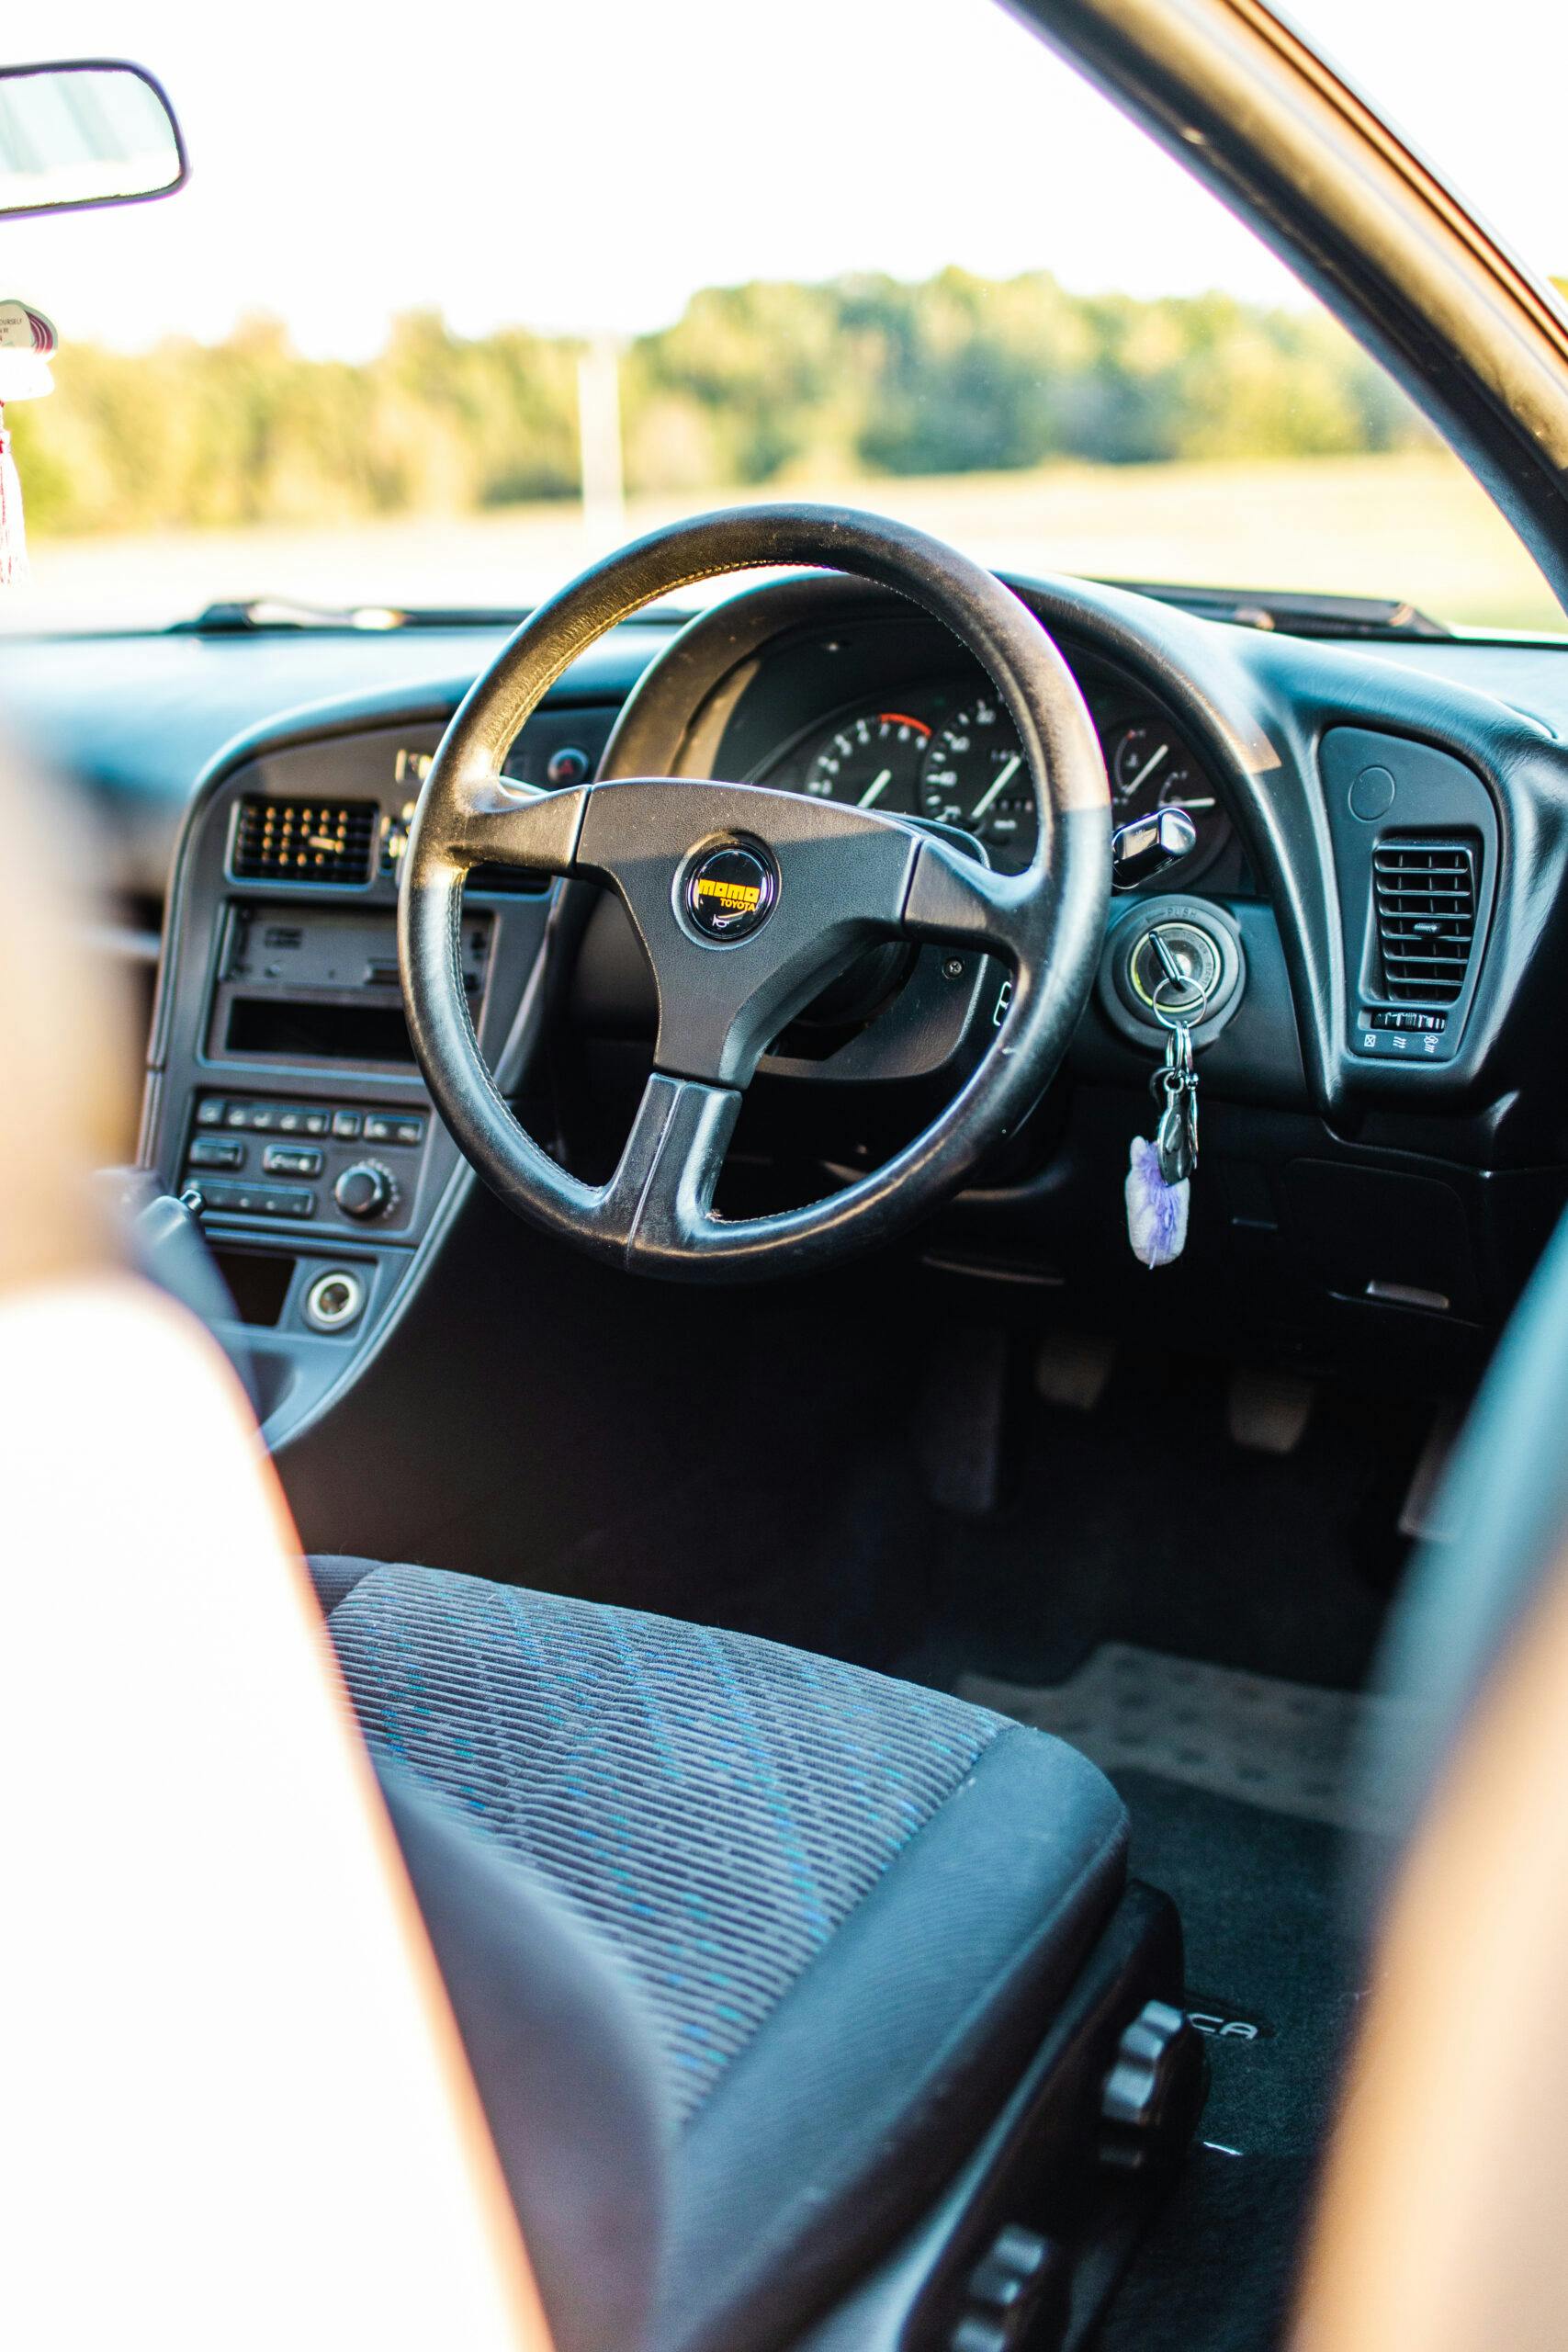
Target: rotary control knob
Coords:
[[366, 1190]]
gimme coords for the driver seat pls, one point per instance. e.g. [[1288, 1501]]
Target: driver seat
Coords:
[[747, 1947]]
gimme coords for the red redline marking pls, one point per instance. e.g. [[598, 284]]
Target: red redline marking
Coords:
[[901, 719]]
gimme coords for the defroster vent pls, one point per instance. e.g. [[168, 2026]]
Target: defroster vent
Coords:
[[1425, 895], [305, 841]]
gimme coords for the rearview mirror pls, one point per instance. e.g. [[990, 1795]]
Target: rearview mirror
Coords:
[[97, 131]]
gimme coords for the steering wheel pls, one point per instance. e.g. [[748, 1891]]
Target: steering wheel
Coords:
[[748, 902]]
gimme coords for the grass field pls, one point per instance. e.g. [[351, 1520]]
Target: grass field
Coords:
[[1414, 527]]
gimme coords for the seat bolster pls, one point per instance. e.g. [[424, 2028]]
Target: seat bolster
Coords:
[[567, 2070], [884, 2064], [334, 1575]]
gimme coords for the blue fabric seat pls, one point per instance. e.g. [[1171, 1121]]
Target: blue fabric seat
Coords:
[[822, 1917]]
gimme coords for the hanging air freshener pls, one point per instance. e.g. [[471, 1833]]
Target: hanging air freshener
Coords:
[[26, 339]]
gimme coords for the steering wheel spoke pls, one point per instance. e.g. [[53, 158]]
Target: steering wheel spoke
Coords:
[[957, 900], [659, 1201], [497, 823]]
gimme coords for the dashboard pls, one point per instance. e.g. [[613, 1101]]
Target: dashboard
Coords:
[[1381, 869]]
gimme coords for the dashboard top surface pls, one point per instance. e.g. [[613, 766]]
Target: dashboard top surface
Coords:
[[142, 715]]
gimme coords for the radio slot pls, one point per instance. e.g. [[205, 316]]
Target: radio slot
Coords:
[[321, 984]]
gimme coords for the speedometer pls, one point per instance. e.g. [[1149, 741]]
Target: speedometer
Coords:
[[872, 762], [975, 775]]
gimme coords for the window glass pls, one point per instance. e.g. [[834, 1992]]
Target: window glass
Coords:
[[1480, 96], [447, 309]]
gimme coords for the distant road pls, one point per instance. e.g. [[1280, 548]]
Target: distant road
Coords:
[[1413, 526]]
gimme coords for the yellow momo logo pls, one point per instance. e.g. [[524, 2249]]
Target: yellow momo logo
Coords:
[[740, 898], [730, 891]]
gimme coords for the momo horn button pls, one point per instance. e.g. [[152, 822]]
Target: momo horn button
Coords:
[[728, 892]]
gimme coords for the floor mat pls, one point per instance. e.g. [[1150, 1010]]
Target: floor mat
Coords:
[[1271, 1948], [1287, 1747], [1218, 2271], [1248, 1808]]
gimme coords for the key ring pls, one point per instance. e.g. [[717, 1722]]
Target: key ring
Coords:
[[1176, 1021]]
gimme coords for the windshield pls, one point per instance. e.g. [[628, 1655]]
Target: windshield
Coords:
[[436, 322]]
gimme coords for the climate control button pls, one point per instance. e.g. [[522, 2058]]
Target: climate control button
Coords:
[[366, 1190]]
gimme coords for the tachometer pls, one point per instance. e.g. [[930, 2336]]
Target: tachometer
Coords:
[[976, 776], [872, 762]]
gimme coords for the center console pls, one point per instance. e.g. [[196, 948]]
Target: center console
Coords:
[[283, 1100]]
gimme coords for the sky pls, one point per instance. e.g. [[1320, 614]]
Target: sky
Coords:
[[583, 165]]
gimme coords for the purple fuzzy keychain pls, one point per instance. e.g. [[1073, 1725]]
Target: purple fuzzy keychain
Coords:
[[1157, 1212], [1159, 1190]]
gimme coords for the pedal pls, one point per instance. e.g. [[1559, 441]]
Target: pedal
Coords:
[[961, 1427], [1074, 1369], [1268, 1412], [1425, 1513]]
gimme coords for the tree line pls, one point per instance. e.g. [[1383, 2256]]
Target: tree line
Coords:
[[766, 383]]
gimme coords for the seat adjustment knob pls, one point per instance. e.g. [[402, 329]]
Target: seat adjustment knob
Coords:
[[1155, 2091], [364, 1191], [1017, 2292]]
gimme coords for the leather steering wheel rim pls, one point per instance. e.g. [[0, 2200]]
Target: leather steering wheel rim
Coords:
[[830, 880]]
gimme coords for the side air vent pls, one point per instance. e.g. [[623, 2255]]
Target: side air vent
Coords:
[[1425, 895], [304, 841]]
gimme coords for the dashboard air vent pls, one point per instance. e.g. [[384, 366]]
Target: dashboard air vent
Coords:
[[1425, 895], [305, 841]]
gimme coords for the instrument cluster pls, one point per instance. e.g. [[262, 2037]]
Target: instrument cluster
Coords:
[[952, 755]]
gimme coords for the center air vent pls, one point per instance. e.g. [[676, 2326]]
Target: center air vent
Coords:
[[1425, 895], [305, 841]]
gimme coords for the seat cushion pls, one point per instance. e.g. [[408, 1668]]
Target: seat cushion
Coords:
[[847, 1906]]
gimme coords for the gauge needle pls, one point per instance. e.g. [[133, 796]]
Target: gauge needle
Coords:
[[875, 789], [1004, 776], [1162, 751]]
